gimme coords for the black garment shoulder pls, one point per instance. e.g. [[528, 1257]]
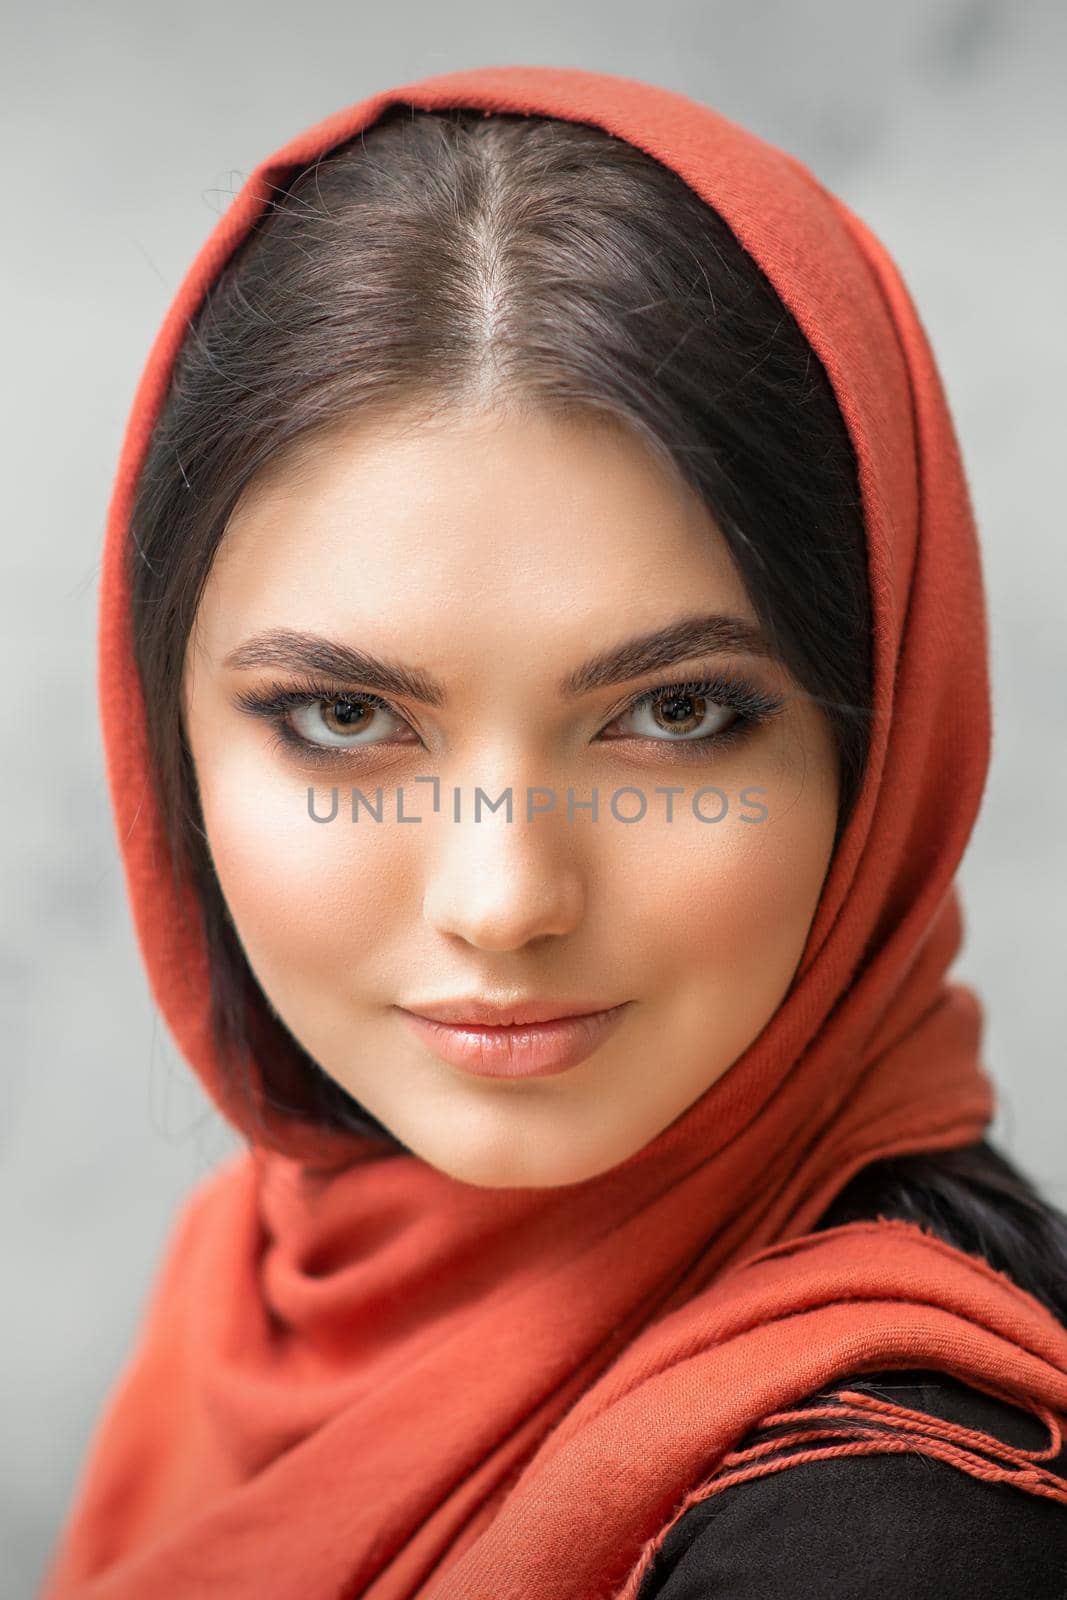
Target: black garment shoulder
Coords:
[[878, 1527], [905, 1526]]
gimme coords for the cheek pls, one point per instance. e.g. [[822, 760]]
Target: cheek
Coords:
[[724, 911], [310, 900], [733, 897]]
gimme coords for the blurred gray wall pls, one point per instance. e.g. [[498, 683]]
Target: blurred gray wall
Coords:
[[127, 128]]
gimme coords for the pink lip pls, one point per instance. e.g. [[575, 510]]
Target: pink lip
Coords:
[[515, 1050]]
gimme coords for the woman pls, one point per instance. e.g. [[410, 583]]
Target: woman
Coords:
[[540, 584]]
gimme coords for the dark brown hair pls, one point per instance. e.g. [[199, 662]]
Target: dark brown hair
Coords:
[[444, 258]]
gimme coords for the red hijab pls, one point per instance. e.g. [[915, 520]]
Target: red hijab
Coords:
[[387, 1383]]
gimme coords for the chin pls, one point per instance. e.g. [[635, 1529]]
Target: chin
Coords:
[[539, 1164]]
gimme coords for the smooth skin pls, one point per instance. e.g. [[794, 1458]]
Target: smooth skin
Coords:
[[497, 551]]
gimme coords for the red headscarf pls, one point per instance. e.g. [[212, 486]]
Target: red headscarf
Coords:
[[390, 1383]]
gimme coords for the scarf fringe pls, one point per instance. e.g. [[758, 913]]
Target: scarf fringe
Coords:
[[863, 1424]]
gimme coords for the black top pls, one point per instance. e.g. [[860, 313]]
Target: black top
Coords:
[[876, 1527], [902, 1526]]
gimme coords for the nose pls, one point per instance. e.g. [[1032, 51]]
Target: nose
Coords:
[[500, 886]]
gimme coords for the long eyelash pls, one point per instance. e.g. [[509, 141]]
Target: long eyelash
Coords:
[[277, 699], [752, 705]]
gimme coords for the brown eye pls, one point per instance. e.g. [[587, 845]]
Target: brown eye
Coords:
[[684, 713], [342, 721], [343, 716]]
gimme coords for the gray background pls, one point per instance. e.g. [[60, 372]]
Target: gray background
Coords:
[[128, 127]]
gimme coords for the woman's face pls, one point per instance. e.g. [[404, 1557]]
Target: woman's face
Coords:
[[494, 567]]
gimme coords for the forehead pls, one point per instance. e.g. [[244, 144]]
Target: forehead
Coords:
[[475, 533]]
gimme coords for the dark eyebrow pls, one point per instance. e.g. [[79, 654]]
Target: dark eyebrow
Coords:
[[648, 652], [691, 636], [284, 647]]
